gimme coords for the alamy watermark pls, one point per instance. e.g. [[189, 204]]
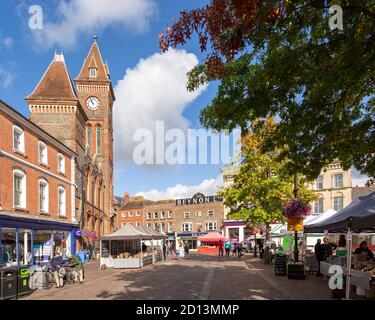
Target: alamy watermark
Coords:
[[336, 18], [336, 281], [177, 146], [36, 19]]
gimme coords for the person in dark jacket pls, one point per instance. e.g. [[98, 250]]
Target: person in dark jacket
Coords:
[[55, 264], [327, 248], [318, 254], [363, 249]]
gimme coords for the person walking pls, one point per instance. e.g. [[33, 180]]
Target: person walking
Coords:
[[240, 250], [318, 254], [227, 248], [186, 247], [235, 246], [221, 248]]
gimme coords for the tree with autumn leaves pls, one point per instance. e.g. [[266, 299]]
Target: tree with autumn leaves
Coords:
[[281, 59], [263, 184]]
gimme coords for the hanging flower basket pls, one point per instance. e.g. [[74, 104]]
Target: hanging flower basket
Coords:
[[296, 209]]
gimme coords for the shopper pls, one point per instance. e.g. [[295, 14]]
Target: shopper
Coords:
[[186, 247], [364, 250], [221, 248], [327, 248], [227, 248], [77, 266], [319, 254], [56, 264], [240, 250]]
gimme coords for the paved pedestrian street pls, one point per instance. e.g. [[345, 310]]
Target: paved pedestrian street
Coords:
[[194, 278]]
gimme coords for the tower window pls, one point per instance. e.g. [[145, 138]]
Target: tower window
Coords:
[[93, 72], [89, 138], [99, 140]]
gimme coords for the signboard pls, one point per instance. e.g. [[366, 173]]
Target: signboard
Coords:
[[295, 224], [105, 249], [198, 198], [87, 234]]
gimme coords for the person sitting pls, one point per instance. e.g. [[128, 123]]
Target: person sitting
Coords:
[[364, 250], [77, 266]]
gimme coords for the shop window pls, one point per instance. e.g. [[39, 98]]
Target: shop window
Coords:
[[18, 139], [24, 246], [210, 213], [19, 189], [61, 202], [187, 227], [148, 225], [43, 156], [8, 247], [42, 245], [210, 225], [59, 243], [43, 195], [157, 226], [186, 215], [61, 163], [137, 224]]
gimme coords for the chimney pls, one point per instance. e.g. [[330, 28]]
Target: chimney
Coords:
[[126, 198]]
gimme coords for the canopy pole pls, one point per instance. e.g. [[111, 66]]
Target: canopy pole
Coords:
[[348, 266]]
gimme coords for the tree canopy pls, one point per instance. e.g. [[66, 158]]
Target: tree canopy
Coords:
[[263, 184], [281, 59]]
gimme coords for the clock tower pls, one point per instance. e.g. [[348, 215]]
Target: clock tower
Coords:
[[96, 95]]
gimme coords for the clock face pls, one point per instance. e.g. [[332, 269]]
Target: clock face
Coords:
[[93, 103]]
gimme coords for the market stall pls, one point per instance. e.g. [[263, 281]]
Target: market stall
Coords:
[[356, 219], [123, 248], [210, 243], [155, 244]]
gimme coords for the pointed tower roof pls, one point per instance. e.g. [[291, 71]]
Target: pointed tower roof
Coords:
[[94, 60], [55, 83]]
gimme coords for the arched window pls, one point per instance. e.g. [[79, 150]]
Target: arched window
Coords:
[[338, 201], [19, 189], [43, 196], [318, 205], [89, 138], [98, 139], [61, 205]]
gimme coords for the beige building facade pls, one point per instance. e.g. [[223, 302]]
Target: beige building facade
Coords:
[[333, 187]]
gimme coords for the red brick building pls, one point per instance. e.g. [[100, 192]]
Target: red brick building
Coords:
[[131, 210], [37, 191]]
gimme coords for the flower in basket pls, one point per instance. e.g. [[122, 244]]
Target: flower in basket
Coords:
[[295, 208]]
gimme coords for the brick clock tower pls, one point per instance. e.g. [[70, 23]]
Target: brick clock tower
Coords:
[[96, 96], [80, 116]]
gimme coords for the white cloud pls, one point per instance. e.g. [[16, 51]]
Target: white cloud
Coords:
[[179, 191], [88, 16], [358, 178], [6, 78], [154, 90]]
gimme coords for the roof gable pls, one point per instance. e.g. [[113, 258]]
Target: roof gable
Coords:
[[93, 59], [55, 83]]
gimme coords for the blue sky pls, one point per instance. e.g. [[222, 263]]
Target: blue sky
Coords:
[[127, 33]]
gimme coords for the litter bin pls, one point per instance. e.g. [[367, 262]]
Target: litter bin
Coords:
[[8, 283], [24, 281]]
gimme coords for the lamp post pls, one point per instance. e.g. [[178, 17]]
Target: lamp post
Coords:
[[295, 190]]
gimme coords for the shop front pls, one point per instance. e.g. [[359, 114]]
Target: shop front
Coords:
[[25, 241], [190, 238]]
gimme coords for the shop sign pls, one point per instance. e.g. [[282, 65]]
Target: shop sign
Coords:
[[198, 198], [87, 234]]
